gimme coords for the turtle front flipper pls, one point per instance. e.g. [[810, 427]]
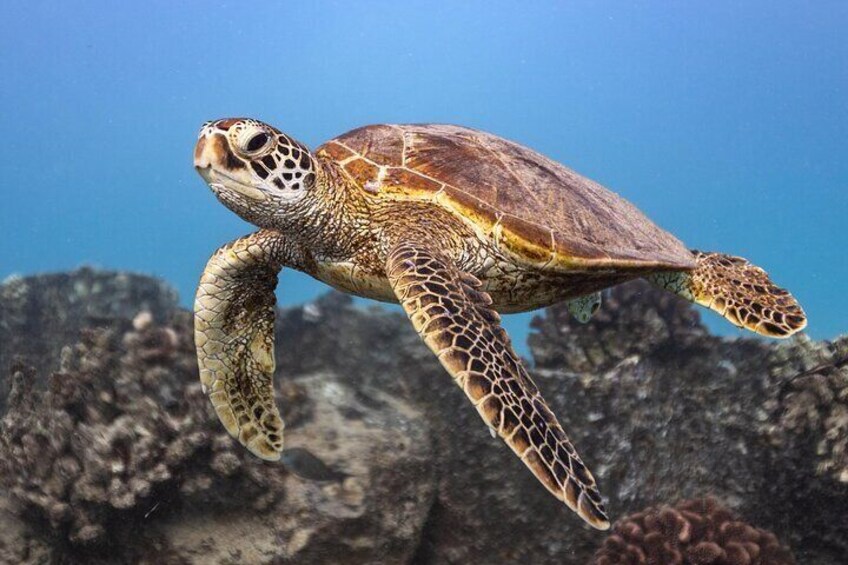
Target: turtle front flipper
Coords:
[[741, 292], [455, 319], [234, 335]]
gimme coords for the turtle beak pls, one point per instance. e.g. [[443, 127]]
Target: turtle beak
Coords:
[[211, 154], [202, 152], [214, 161]]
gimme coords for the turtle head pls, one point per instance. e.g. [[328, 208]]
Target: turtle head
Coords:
[[253, 168]]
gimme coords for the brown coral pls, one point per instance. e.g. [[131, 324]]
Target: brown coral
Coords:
[[122, 425], [693, 532]]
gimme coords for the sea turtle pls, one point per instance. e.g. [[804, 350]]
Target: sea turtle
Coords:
[[456, 225]]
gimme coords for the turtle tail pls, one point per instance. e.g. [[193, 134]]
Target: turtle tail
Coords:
[[741, 292]]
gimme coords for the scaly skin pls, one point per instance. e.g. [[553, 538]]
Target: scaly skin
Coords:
[[234, 335], [456, 321], [452, 274], [739, 291]]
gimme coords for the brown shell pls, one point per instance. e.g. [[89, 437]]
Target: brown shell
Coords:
[[532, 205]]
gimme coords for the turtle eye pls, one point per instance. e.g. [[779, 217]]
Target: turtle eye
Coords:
[[257, 142]]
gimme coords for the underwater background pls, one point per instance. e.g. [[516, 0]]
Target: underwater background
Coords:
[[725, 122]]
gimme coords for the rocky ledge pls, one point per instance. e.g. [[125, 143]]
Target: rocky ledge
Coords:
[[110, 453]]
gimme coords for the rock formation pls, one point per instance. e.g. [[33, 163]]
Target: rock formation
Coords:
[[111, 454]]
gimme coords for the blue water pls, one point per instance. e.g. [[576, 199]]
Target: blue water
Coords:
[[727, 122]]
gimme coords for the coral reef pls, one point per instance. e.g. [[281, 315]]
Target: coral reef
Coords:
[[122, 435], [117, 428], [111, 454], [675, 412], [813, 404], [692, 532], [40, 315]]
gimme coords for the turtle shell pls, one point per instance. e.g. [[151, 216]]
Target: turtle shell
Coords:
[[531, 205]]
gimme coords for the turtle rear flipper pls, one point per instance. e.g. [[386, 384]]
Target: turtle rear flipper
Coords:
[[584, 307], [234, 335], [741, 292]]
